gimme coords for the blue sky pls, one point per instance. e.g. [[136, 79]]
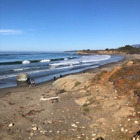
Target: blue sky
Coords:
[[60, 25]]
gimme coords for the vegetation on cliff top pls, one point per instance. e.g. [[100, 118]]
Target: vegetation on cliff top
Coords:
[[127, 78], [127, 49]]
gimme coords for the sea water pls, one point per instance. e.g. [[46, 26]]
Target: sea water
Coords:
[[43, 66]]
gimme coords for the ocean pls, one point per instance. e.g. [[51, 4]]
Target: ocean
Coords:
[[43, 66]]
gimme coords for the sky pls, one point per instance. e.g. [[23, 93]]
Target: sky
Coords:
[[63, 25]]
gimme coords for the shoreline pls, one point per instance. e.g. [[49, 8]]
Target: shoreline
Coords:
[[46, 75], [4, 91]]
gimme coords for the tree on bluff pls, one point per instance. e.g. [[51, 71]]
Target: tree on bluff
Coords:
[[129, 49], [126, 47]]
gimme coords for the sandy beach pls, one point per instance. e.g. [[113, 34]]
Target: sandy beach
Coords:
[[27, 114]]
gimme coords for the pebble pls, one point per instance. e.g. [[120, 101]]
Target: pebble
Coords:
[[83, 134], [112, 130], [128, 119], [73, 125], [122, 129], [49, 122], [11, 124], [136, 122], [31, 134], [34, 128], [126, 130], [82, 127], [93, 135]]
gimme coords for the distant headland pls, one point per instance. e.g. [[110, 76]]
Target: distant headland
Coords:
[[127, 49]]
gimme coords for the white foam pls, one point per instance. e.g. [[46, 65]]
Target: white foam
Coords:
[[45, 60], [20, 69], [81, 60], [65, 63], [25, 62], [7, 76], [94, 58]]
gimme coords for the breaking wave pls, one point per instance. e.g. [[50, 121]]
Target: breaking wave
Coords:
[[34, 61]]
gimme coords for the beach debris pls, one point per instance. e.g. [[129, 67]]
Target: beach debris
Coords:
[[51, 98], [11, 124]]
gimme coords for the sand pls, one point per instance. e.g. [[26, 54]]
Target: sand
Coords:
[[24, 116]]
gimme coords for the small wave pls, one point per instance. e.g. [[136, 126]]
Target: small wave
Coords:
[[7, 76], [25, 62], [20, 69], [45, 60], [68, 63], [10, 63]]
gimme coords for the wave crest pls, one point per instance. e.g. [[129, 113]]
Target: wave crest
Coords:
[[25, 62], [45, 60]]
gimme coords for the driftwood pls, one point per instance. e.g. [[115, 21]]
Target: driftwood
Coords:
[[51, 98]]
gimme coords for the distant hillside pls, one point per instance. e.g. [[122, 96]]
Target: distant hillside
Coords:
[[136, 45]]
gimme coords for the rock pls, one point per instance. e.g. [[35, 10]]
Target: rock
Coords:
[[11, 124], [73, 125], [129, 63], [81, 101], [34, 128], [23, 77], [136, 122]]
